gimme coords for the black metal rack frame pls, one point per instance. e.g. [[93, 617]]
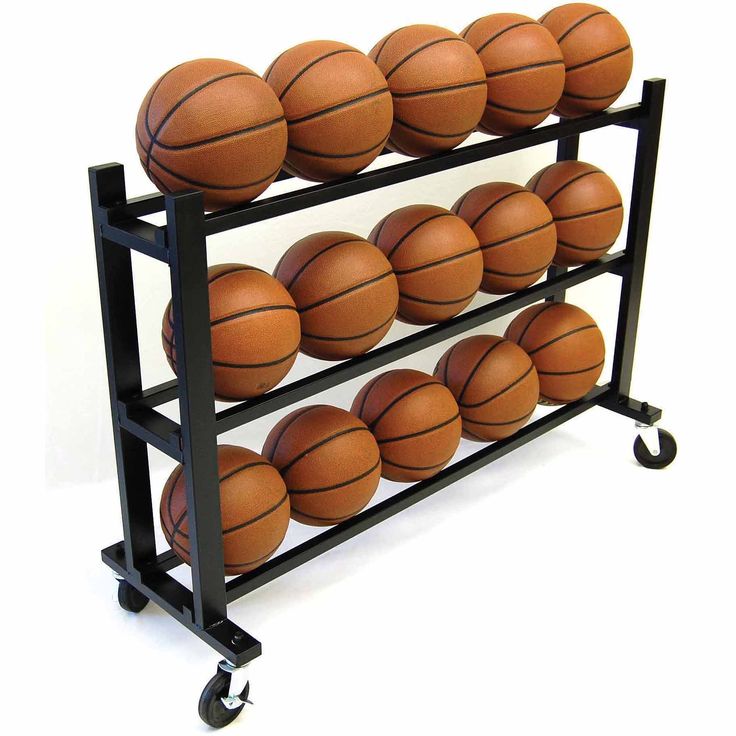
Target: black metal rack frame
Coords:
[[181, 244]]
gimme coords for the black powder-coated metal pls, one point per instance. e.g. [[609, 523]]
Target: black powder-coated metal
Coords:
[[181, 244]]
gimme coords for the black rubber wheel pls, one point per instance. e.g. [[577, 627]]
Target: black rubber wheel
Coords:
[[130, 598], [667, 451], [211, 708]]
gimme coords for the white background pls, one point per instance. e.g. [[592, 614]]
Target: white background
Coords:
[[562, 590]]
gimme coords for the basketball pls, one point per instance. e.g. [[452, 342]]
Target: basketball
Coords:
[[516, 233], [438, 88], [524, 69], [436, 259], [598, 57], [337, 106], [215, 126], [566, 347], [586, 206], [254, 328], [329, 461], [253, 502], [415, 420], [494, 383], [345, 292]]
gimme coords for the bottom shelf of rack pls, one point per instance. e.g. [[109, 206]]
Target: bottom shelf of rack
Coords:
[[326, 540]]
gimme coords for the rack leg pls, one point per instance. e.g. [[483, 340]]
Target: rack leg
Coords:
[[567, 150], [190, 304], [117, 299]]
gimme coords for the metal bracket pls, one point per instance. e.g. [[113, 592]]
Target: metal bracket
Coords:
[[237, 694], [650, 436]]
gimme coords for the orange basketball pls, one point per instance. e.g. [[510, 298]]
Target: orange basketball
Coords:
[[211, 125], [524, 70], [566, 346], [586, 206], [253, 502], [254, 330], [415, 420], [598, 57], [516, 233], [345, 292], [337, 106], [494, 383], [436, 259], [438, 88], [329, 461]]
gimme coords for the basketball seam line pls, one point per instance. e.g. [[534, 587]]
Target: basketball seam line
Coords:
[[413, 229], [328, 299], [235, 471], [268, 364], [440, 262], [146, 122], [260, 516], [256, 561], [296, 415], [504, 390], [593, 97], [447, 363], [272, 66], [561, 337], [591, 212], [582, 247], [498, 424], [153, 136], [380, 226], [333, 519], [383, 45], [205, 185], [237, 269], [248, 312], [374, 422], [599, 58], [493, 204], [580, 22], [518, 273], [564, 186], [519, 110], [339, 106], [458, 206], [525, 67], [475, 368], [350, 337], [511, 238], [168, 500], [319, 154], [545, 307], [314, 257], [419, 467], [311, 64], [284, 469], [368, 388], [571, 373], [438, 90], [222, 136], [323, 489], [439, 302], [432, 133], [420, 432], [490, 40], [418, 50], [541, 173]]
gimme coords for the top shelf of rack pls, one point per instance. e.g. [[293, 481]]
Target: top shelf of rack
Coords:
[[122, 223]]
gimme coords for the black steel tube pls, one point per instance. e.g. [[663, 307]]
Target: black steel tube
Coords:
[[190, 305]]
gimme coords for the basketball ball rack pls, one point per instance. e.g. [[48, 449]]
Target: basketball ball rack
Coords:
[[119, 228]]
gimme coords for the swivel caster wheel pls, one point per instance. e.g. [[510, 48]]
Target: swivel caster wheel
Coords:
[[130, 598], [655, 450], [224, 696]]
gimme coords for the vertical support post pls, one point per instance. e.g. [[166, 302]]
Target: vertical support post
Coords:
[[567, 150], [645, 167], [190, 305], [117, 299]]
